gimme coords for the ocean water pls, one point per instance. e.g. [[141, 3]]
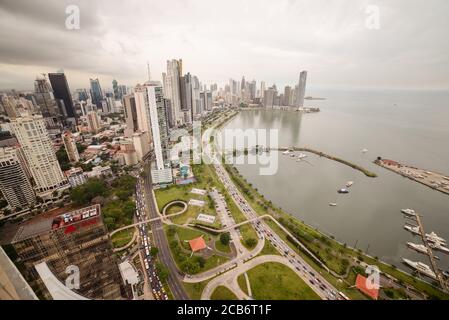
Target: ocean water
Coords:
[[409, 126]]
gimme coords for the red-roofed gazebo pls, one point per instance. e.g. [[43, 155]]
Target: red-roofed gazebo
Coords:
[[362, 284], [197, 244]]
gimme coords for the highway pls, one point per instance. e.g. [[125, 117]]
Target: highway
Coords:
[[156, 286], [160, 240]]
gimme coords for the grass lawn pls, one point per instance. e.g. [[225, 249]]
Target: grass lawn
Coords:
[[221, 247], [274, 281], [180, 250], [268, 248], [223, 293], [194, 290], [122, 238], [242, 283]]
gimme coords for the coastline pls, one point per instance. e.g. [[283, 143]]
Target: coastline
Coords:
[[389, 270]]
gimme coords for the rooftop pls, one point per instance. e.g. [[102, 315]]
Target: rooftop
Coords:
[[197, 244], [46, 223]]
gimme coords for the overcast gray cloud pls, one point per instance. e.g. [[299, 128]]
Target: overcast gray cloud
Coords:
[[264, 40]]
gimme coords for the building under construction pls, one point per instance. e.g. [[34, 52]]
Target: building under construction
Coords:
[[63, 241]]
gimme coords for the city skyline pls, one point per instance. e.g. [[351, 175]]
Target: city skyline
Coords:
[[331, 41]]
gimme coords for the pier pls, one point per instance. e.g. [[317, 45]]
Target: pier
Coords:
[[430, 179], [322, 154]]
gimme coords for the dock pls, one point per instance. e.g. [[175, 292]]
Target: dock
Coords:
[[428, 178]]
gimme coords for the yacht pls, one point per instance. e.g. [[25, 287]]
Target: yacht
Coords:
[[419, 247], [409, 212], [365, 150], [412, 229], [439, 246], [349, 184], [420, 267], [433, 237], [343, 190], [332, 204]]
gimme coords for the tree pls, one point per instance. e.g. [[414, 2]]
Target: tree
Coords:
[[201, 261], [224, 238], [190, 266], [162, 272], [154, 251], [251, 242], [84, 193]]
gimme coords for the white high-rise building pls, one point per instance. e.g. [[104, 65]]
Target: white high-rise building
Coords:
[[35, 141], [14, 183], [173, 90], [301, 89]]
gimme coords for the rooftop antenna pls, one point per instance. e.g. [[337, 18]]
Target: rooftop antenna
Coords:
[[148, 68]]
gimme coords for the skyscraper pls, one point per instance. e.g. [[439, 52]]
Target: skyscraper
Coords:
[[14, 183], [159, 130], [62, 95], [269, 96], [93, 122], [115, 89], [287, 96], [186, 97], [96, 93], [129, 106], [45, 98], [70, 146], [35, 141], [173, 90], [301, 89]]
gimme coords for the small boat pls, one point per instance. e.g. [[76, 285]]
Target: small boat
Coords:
[[332, 204], [343, 190], [286, 152], [292, 155], [433, 237], [420, 267], [412, 229], [349, 184], [409, 212], [365, 150], [302, 156]]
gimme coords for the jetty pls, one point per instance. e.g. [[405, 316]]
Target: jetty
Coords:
[[322, 154]]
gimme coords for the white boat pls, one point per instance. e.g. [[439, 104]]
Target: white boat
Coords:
[[349, 184], [365, 150], [292, 155], [409, 212], [412, 229], [286, 152], [420, 267], [439, 246], [332, 204], [343, 190], [433, 237], [302, 156], [419, 247]]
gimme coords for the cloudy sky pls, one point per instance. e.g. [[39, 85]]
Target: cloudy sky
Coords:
[[261, 39]]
